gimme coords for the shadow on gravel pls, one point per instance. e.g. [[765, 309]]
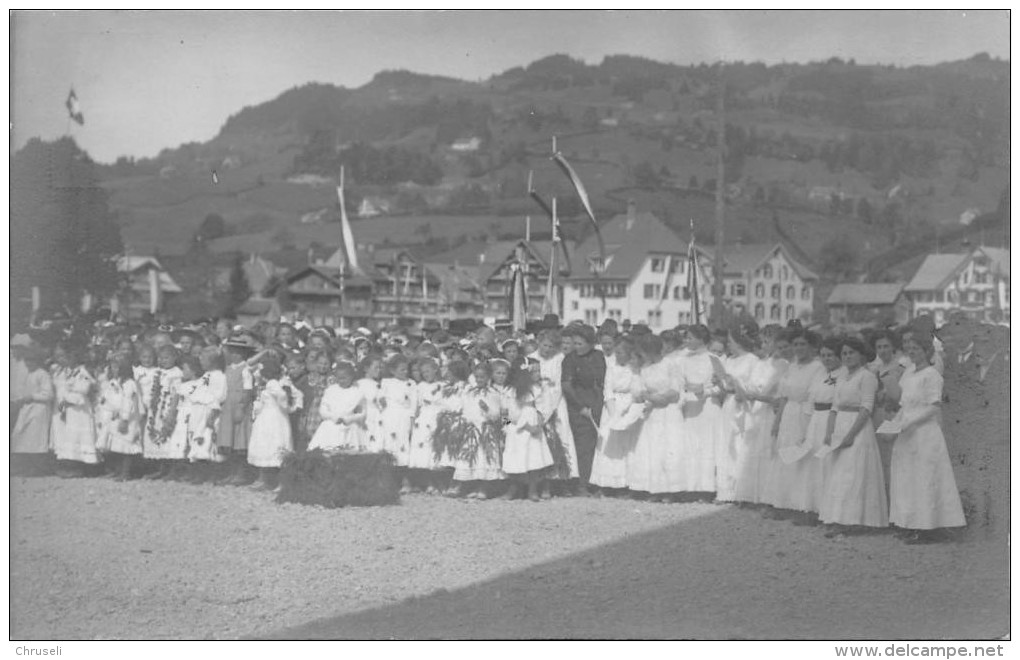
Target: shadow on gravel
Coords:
[[691, 580]]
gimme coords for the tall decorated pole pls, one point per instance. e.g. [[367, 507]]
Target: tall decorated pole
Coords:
[[718, 288]]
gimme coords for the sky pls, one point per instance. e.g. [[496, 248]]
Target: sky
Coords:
[[149, 80]]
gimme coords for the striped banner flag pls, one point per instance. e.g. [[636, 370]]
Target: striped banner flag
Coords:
[[345, 227], [73, 109]]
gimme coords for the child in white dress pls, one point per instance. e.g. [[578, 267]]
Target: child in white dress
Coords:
[[398, 403], [429, 392], [118, 418], [160, 411], [270, 431], [482, 456], [73, 427], [371, 372], [526, 453], [342, 410]]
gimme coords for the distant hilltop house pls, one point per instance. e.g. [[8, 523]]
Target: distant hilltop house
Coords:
[[868, 304], [609, 122], [168, 172], [145, 286], [976, 283], [315, 217], [765, 281], [969, 216], [467, 144], [231, 162], [373, 206], [643, 278]]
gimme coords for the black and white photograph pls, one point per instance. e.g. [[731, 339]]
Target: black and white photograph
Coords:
[[501, 325]]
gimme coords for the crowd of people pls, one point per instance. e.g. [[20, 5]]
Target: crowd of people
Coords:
[[838, 430]]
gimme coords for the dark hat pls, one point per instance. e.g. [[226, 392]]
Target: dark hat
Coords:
[[551, 321], [241, 341]]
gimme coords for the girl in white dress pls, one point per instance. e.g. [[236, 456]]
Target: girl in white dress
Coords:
[[343, 411], [619, 425], [526, 453], [739, 413], [398, 402], [450, 420], [854, 487], [923, 493], [73, 427], [210, 396], [703, 421], [193, 402], [160, 412], [483, 456], [553, 408], [371, 372], [652, 466], [118, 417], [793, 482], [270, 431], [429, 393]]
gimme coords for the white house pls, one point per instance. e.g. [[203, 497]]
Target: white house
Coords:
[[467, 144], [976, 283], [145, 285], [644, 278], [765, 281]]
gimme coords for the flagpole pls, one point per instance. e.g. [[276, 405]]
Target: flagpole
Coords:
[[720, 205]]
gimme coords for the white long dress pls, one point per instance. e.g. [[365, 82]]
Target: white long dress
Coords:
[[480, 407], [609, 466], [73, 430], [821, 394], [854, 487], [119, 402], [739, 420], [158, 400], [702, 424], [31, 432], [342, 410], [653, 466], [754, 469], [206, 400], [551, 402], [526, 448], [791, 485], [270, 432], [374, 431], [399, 403], [923, 493], [430, 403]]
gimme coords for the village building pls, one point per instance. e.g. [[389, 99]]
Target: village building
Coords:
[[876, 304], [975, 283], [643, 278], [766, 282], [144, 288]]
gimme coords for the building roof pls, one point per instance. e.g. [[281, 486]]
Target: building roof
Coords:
[[488, 257], [744, 258], [629, 238], [132, 264], [999, 258], [456, 283], [935, 271], [864, 294]]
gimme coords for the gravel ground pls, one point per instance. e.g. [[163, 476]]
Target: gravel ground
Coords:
[[96, 559]]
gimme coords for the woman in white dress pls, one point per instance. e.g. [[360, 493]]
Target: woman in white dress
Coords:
[[792, 484], [923, 493], [854, 486], [619, 425], [342, 411], [73, 426], [118, 417], [652, 466], [526, 452], [553, 407], [759, 460], [30, 437], [739, 412], [703, 422], [888, 366], [270, 432]]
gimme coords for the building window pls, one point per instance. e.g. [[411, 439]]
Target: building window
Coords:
[[776, 290], [786, 273], [759, 312], [676, 293], [738, 290], [980, 278], [940, 296], [591, 317], [790, 312], [774, 313], [654, 318], [676, 265], [791, 292], [805, 292], [687, 293], [616, 314], [657, 264], [768, 272], [759, 290], [574, 306]]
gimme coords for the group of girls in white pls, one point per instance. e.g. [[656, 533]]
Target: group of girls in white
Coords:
[[779, 419]]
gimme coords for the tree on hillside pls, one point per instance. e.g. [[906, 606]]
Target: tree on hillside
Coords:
[[62, 231], [839, 257], [213, 227], [645, 175]]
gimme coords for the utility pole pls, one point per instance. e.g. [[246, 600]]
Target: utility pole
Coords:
[[718, 288]]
